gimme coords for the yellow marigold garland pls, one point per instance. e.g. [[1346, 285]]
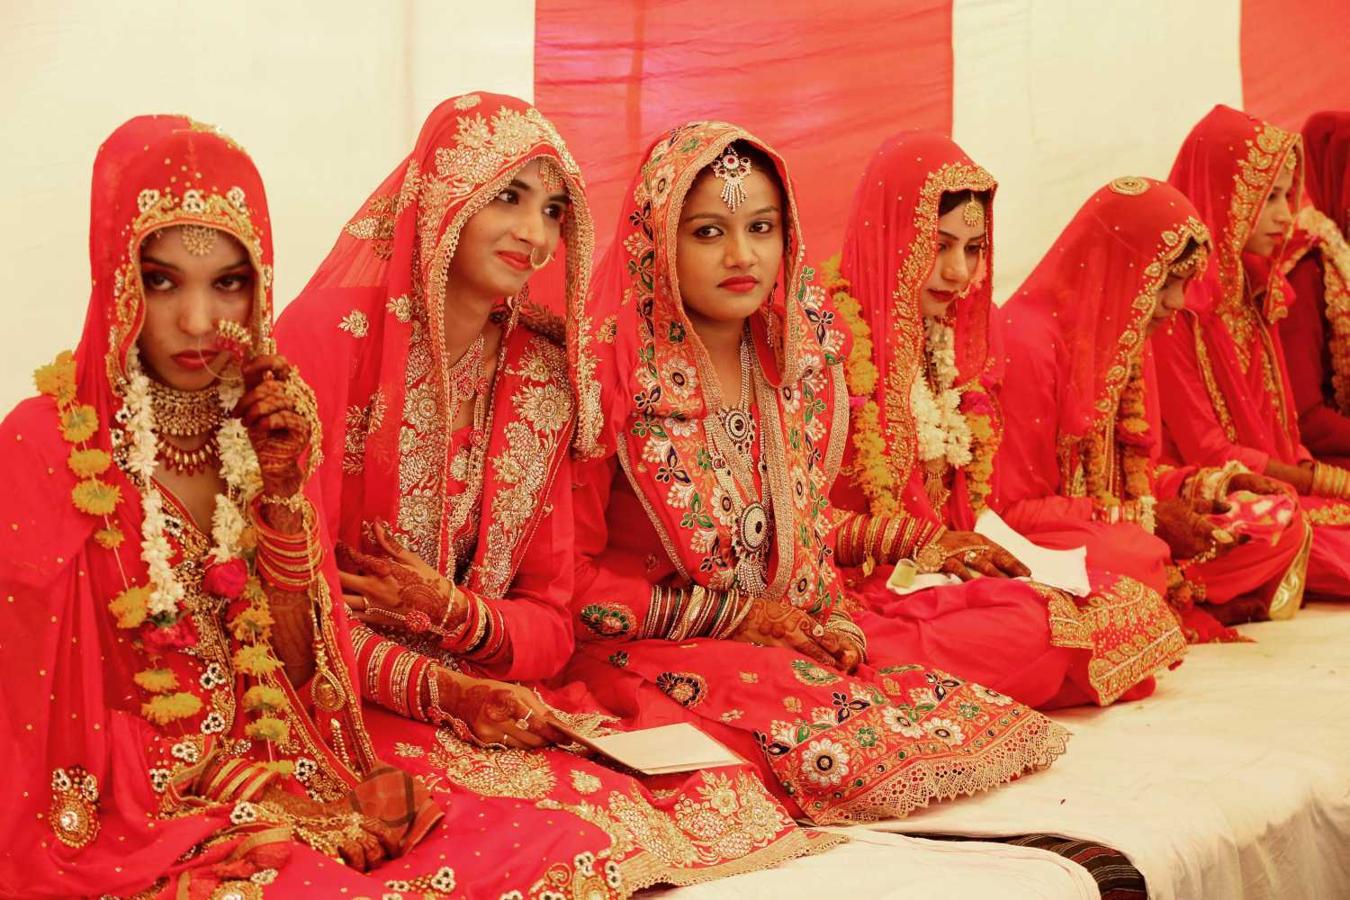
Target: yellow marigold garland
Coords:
[[166, 708], [79, 423], [869, 470], [980, 472], [131, 606], [156, 681]]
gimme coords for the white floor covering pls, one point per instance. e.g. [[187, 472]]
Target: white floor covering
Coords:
[[1232, 782]]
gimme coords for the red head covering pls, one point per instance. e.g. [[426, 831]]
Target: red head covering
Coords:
[[384, 284], [69, 699], [1099, 283], [890, 247], [1226, 167], [657, 384], [1326, 141]]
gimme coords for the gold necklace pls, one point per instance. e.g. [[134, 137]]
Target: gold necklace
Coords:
[[185, 413], [187, 462]]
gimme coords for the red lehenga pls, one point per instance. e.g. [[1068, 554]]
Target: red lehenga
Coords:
[[1228, 395], [489, 506], [1081, 431], [1029, 641], [151, 739], [669, 562], [1318, 266]]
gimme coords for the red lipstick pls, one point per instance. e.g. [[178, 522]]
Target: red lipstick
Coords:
[[741, 284], [942, 296], [515, 260], [193, 360]]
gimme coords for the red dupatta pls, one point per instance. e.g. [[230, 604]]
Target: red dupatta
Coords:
[[1092, 297], [368, 333], [1322, 227], [889, 252], [91, 776], [1226, 167], [658, 385]]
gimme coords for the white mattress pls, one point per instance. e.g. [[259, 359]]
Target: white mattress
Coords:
[[1231, 782]]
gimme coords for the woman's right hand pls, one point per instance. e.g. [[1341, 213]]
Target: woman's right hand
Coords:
[[497, 712], [772, 623], [1300, 477], [1187, 532], [970, 555]]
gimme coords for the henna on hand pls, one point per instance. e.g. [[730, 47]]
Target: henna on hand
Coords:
[[1185, 529], [279, 433], [777, 624], [970, 554], [497, 712], [398, 582]]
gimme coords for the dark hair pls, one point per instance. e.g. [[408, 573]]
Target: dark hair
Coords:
[[952, 199]]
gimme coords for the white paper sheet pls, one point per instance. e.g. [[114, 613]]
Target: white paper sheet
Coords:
[[662, 750], [1063, 569]]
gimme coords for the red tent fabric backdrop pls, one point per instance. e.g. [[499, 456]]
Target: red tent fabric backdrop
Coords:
[[825, 82], [823, 87]]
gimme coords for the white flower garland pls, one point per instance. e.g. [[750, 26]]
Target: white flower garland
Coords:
[[238, 469], [942, 430]]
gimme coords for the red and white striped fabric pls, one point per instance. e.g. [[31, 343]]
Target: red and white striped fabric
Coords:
[[1055, 97]]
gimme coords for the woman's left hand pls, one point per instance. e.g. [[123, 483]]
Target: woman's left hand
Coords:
[[398, 582], [279, 433]]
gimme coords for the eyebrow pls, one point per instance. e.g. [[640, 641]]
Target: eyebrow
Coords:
[[522, 186], [718, 217], [154, 261], [955, 237]]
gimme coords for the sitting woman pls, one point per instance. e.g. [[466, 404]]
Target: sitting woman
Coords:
[[179, 715], [1228, 401], [1079, 458], [705, 587], [914, 288], [450, 491], [1318, 265]]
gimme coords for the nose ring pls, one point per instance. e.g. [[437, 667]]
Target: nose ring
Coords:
[[539, 265]]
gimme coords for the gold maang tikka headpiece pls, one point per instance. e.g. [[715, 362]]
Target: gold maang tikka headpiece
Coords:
[[550, 176], [732, 169], [973, 213], [199, 240]]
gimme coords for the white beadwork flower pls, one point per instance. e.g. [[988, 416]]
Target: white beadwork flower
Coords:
[[243, 813], [944, 730], [236, 197], [213, 724], [896, 720], [146, 199], [444, 879], [60, 780], [825, 762], [186, 750], [304, 768], [991, 695], [159, 780], [213, 677], [585, 863], [193, 202], [612, 875]]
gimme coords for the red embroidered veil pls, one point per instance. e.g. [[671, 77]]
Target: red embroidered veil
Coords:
[[69, 698]]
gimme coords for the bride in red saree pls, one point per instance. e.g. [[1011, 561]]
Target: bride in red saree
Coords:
[[178, 715], [1318, 265], [448, 485], [706, 590], [913, 286], [1081, 447], [1228, 400]]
